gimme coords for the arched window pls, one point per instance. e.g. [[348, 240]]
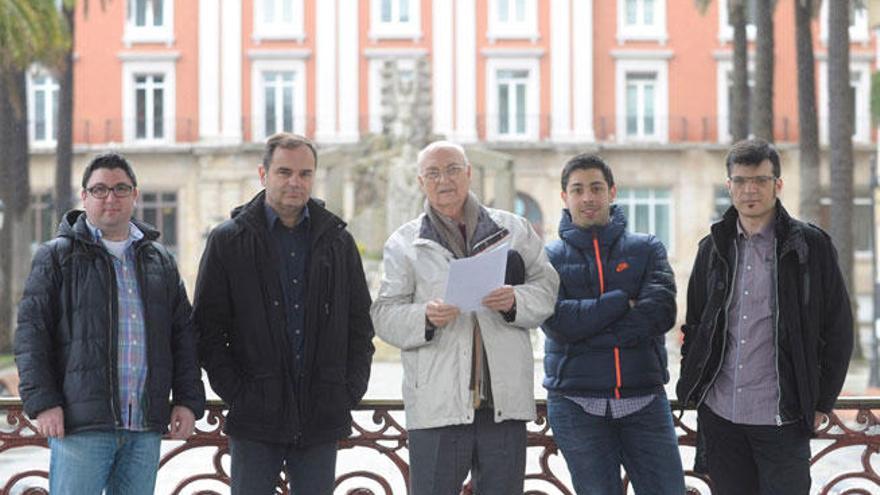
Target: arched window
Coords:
[[526, 206]]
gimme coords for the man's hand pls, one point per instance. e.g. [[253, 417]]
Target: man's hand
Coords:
[[183, 423], [50, 423], [440, 313], [632, 303], [820, 419], [500, 299]]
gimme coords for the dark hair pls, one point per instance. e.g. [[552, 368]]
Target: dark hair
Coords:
[[586, 161], [110, 160], [287, 141], [753, 152]]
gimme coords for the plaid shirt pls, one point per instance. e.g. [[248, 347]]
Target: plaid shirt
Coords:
[[131, 332], [620, 408]]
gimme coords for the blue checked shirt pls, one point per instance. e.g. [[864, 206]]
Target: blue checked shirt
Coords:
[[620, 408], [131, 332]]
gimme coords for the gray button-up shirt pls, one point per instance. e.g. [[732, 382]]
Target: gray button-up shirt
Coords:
[[746, 390]]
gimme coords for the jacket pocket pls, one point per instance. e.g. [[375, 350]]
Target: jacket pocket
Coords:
[[331, 400], [259, 399]]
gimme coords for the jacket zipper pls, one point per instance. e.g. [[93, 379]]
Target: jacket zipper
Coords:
[[114, 388], [776, 332], [142, 291], [724, 341], [618, 382]]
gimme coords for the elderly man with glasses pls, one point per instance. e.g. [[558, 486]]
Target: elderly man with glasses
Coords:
[[104, 334], [468, 376], [767, 337]]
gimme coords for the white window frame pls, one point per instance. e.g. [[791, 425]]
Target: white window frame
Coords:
[[862, 131], [395, 29], [653, 32], [725, 30], [661, 103], [533, 98], [858, 32], [258, 110], [525, 29], [723, 69], [132, 69], [51, 113], [293, 30], [652, 202], [149, 34]]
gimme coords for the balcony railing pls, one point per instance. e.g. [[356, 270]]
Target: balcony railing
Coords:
[[373, 460]]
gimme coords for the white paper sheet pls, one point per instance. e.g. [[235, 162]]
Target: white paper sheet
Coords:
[[471, 279]]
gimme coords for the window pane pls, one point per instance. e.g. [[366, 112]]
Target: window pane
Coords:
[[649, 109], [503, 109], [158, 113], [40, 115], [648, 12], [149, 214], [148, 198], [631, 109], [141, 113], [520, 10], [862, 227], [386, 10], [287, 11], [169, 224], [158, 13], [54, 114], [631, 11], [642, 221], [288, 109], [270, 110], [661, 223], [641, 194], [169, 197], [521, 108], [140, 12], [404, 10], [503, 10]]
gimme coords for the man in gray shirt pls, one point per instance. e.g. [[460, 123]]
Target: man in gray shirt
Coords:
[[768, 334]]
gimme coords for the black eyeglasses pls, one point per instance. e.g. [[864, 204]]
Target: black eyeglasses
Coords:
[[101, 191]]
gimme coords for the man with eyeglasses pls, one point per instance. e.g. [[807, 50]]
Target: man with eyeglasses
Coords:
[[104, 334], [767, 337], [467, 376], [283, 313]]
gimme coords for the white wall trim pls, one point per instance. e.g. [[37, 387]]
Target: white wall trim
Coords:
[[466, 70], [512, 52], [528, 29], [258, 113], [533, 98], [275, 54], [149, 34], [170, 56], [209, 69], [169, 93], [722, 68], [293, 30], [582, 44], [661, 106], [326, 58], [231, 71], [642, 54], [862, 131], [372, 53], [349, 65], [656, 32], [561, 48], [444, 66], [395, 30]]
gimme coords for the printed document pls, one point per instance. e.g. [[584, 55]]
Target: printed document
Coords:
[[472, 279]]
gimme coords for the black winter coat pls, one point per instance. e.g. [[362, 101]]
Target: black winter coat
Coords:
[[597, 345], [239, 312], [66, 339], [815, 327]]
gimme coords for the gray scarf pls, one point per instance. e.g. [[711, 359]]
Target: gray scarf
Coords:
[[449, 231]]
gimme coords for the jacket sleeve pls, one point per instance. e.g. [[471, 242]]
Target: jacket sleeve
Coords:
[[360, 328], [535, 299], [39, 385], [578, 319], [212, 315], [836, 332], [696, 297], [397, 318], [655, 310], [187, 387]]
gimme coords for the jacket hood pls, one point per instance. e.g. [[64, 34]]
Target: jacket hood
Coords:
[[73, 225], [583, 238]]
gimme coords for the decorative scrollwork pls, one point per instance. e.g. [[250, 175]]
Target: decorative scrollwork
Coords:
[[855, 424]]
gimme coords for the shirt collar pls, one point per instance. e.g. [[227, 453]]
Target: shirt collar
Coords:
[[272, 215], [134, 233], [764, 233]]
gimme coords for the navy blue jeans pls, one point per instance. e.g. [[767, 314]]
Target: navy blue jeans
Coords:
[[595, 447], [122, 462], [256, 467]]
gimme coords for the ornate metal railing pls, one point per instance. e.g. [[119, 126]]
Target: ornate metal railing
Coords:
[[373, 460]]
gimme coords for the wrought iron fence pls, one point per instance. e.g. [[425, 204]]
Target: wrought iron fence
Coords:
[[374, 460]]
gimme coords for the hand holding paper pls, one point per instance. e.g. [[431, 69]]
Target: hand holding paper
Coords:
[[472, 279], [440, 313]]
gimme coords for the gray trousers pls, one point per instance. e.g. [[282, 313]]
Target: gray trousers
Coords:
[[494, 453]]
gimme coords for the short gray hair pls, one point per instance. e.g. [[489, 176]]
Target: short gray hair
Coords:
[[440, 145]]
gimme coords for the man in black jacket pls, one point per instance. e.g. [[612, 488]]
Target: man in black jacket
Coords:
[[282, 308], [103, 335], [768, 334]]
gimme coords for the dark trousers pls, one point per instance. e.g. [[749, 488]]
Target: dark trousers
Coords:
[[256, 467], [494, 453], [746, 459]]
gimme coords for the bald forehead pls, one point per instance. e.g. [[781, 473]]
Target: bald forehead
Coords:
[[442, 155]]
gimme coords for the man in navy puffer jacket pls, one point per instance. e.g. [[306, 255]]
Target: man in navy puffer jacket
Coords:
[[605, 362]]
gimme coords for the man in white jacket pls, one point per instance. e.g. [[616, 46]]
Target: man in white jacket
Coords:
[[467, 376]]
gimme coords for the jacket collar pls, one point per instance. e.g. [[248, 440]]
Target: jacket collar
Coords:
[[789, 232], [73, 225], [252, 215], [583, 238]]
